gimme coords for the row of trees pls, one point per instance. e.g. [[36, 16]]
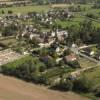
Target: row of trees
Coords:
[[71, 1], [9, 30], [26, 71], [80, 85], [86, 33]]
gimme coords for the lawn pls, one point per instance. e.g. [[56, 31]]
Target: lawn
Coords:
[[94, 75], [75, 21], [67, 23]]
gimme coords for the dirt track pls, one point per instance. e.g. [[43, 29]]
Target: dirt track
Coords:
[[14, 89]]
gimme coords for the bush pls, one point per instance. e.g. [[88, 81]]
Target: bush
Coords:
[[96, 91], [26, 71], [10, 12], [64, 85], [83, 84], [3, 12]]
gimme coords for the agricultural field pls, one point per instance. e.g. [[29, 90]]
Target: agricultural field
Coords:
[[14, 89], [25, 9], [44, 8]]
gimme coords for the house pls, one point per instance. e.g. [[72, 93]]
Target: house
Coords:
[[61, 35], [57, 49], [58, 60], [48, 44], [53, 34], [72, 61], [70, 58]]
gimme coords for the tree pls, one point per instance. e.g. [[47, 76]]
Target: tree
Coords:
[[25, 70], [86, 31], [51, 63], [34, 41], [83, 84], [74, 33], [64, 85], [42, 68], [3, 12], [96, 91], [9, 30], [10, 12]]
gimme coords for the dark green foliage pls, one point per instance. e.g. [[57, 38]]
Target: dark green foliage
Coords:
[[10, 12], [86, 31], [96, 91], [42, 68], [67, 52], [83, 84], [74, 64], [64, 85], [27, 71], [9, 30], [3, 12], [91, 15]]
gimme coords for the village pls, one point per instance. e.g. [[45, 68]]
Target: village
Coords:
[[36, 38]]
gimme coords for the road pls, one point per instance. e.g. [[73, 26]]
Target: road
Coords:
[[78, 72]]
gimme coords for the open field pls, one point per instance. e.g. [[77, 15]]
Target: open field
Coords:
[[59, 5], [14, 89], [94, 75], [25, 9], [9, 41]]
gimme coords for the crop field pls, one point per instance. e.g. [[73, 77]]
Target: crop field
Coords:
[[14, 89]]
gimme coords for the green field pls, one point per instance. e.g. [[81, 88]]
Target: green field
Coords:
[[25, 9], [18, 62], [43, 8], [94, 75]]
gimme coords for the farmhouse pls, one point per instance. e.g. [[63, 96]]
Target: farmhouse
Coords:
[[70, 58]]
